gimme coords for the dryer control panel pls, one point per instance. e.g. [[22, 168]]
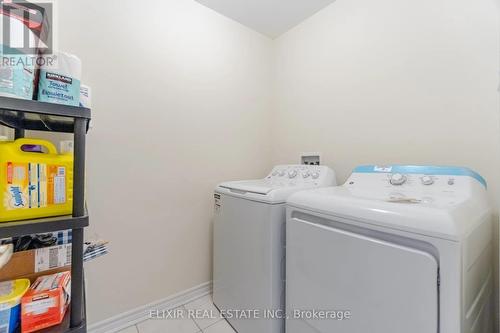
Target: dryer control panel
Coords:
[[294, 175], [414, 184]]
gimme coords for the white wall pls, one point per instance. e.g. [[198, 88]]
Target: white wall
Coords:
[[392, 81], [181, 98]]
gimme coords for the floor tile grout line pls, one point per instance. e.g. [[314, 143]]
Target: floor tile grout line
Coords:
[[218, 321], [136, 326], [201, 306], [194, 321], [212, 324]]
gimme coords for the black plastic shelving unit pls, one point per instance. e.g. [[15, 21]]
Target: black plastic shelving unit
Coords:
[[24, 115]]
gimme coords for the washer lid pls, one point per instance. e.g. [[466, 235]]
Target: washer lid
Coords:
[[259, 186], [262, 190], [280, 183]]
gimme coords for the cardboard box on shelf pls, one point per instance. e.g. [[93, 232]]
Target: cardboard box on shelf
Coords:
[[46, 301], [34, 263]]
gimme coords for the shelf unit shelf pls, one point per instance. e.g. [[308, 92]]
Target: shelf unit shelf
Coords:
[[65, 327], [40, 226], [24, 115], [40, 116]]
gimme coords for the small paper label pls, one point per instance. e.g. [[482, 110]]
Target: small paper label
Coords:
[[59, 190], [382, 168], [218, 203], [41, 306], [52, 257]]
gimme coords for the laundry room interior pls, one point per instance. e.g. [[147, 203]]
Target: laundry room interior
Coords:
[[270, 166]]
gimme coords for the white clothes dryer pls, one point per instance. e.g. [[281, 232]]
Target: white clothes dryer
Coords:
[[399, 248]]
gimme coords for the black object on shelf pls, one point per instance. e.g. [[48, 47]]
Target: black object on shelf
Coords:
[[33, 115]]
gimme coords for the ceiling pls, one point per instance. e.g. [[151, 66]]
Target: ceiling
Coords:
[[270, 17]]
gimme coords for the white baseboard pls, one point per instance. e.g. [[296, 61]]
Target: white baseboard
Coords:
[[132, 317]]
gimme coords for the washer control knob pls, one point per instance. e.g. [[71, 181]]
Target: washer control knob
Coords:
[[315, 175], [306, 174], [292, 173], [275, 173], [281, 173], [398, 179], [427, 180]]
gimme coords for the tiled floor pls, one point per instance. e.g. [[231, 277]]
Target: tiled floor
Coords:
[[185, 324]]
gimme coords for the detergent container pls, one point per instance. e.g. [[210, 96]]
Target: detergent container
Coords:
[[10, 303], [35, 181]]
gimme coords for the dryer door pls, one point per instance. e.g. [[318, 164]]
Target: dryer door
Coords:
[[387, 288]]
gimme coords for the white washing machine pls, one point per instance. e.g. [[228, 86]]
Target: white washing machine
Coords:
[[395, 249], [249, 237]]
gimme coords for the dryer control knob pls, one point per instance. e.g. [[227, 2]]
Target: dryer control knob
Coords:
[[427, 180], [292, 173], [281, 173], [398, 179], [306, 174], [315, 175]]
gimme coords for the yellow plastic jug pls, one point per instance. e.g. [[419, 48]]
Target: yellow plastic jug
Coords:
[[34, 184]]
